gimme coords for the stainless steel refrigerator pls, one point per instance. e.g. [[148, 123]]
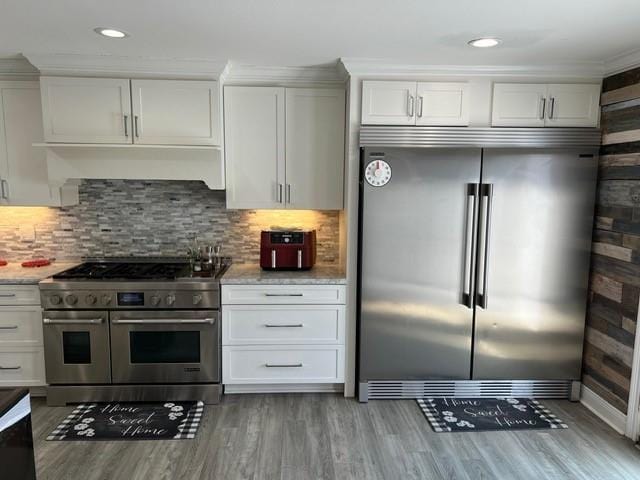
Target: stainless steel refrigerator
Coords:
[[474, 268]]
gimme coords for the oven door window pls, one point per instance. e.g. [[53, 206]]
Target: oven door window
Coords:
[[76, 347], [164, 347]]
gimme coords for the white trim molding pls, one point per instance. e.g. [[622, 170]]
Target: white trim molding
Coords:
[[124, 66], [367, 67], [320, 75], [604, 410], [622, 63], [285, 388], [17, 66], [633, 410]]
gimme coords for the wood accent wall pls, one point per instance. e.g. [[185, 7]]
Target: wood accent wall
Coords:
[[615, 269]]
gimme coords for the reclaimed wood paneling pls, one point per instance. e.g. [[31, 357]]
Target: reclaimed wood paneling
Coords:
[[619, 80], [615, 263]]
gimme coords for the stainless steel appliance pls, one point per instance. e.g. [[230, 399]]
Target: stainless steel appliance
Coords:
[[132, 329], [474, 261]]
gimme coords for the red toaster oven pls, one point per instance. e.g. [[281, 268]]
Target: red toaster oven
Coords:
[[287, 250]]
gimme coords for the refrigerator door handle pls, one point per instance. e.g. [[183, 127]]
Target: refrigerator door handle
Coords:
[[470, 245], [486, 195]]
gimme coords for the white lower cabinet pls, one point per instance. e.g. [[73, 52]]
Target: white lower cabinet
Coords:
[[277, 335], [21, 344]]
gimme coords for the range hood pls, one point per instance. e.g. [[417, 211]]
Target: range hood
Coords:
[[67, 163]]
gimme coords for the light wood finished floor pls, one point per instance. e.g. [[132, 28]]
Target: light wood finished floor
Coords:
[[309, 436]]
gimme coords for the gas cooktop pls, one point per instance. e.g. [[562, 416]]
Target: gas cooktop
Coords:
[[133, 269]]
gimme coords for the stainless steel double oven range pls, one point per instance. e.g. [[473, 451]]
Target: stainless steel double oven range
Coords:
[[134, 330]]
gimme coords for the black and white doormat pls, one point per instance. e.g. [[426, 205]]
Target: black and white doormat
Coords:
[[486, 414], [131, 421]]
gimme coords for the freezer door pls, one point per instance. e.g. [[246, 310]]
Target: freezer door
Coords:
[[416, 250], [536, 214]]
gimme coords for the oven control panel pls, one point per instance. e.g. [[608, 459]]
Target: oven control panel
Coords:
[[141, 299]]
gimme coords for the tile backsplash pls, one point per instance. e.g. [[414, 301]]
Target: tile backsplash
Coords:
[[151, 218]]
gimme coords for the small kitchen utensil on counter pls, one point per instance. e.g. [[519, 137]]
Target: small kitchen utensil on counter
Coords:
[[38, 262], [287, 249]]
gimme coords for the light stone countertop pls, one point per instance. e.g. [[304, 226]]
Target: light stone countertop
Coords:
[[15, 274], [251, 274]]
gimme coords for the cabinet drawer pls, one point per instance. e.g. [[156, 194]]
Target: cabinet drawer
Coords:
[[21, 367], [20, 326], [275, 364], [282, 294], [19, 295], [282, 324]]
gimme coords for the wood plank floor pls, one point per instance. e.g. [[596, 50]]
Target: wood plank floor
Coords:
[[313, 436]]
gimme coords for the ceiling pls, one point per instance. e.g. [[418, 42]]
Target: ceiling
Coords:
[[316, 32]]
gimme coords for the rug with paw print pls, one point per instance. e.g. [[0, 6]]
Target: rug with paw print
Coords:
[[131, 421], [485, 414]]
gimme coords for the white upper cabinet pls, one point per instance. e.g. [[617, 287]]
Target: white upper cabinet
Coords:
[[23, 168], [314, 148], [573, 105], [388, 103], [86, 110], [284, 147], [442, 104], [146, 112], [519, 105], [254, 126], [543, 105], [175, 112], [415, 103]]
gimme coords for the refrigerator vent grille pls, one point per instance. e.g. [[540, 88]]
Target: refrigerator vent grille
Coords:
[[469, 389], [383, 136]]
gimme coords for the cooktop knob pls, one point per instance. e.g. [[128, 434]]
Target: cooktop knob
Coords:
[[106, 299], [155, 300], [197, 298], [55, 299], [90, 299], [71, 299], [171, 299]]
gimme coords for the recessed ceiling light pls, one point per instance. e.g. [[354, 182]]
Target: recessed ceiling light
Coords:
[[110, 32], [484, 42]]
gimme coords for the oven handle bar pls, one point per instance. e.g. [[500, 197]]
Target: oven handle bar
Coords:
[[160, 321], [65, 321]]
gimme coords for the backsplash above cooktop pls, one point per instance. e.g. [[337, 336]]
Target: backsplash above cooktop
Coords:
[[151, 218]]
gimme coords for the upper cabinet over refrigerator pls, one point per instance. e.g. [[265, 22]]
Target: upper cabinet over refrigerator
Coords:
[[123, 111], [545, 105], [415, 103]]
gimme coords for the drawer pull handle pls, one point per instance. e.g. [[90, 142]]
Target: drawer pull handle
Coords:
[[291, 325], [9, 327], [10, 368], [283, 365], [283, 294], [7, 295]]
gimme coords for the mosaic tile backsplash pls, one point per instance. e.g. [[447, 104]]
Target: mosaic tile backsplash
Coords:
[[151, 218]]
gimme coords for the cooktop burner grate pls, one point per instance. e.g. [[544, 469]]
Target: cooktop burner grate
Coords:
[[125, 271]]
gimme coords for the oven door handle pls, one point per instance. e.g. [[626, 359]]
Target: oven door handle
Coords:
[[161, 321], [80, 321]]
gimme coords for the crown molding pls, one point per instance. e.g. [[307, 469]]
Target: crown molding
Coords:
[[623, 62], [16, 66], [115, 65], [328, 75], [374, 67]]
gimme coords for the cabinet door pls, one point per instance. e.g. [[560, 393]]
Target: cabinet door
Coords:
[[175, 112], [86, 110], [314, 148], [518, 105], [442, 104], [388, 103], [572, 105], [254, 134], [23, 168]]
